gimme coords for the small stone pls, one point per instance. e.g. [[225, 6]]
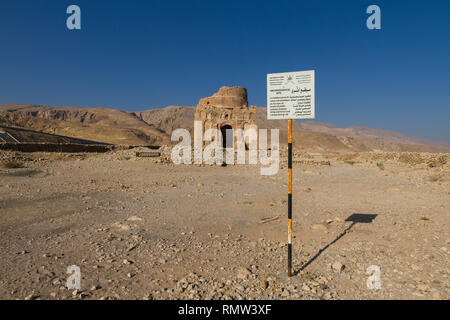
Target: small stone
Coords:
[[319, 226], [327, 296], [264, 284], [285, 293], [53, 294], [436, 295], [127, 262], [30, 297], [243, 273], [337, 266], [415, 267], [134, 218], [323, 280], [422, 287]]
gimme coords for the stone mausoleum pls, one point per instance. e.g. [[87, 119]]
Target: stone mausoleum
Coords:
[[226, 109]]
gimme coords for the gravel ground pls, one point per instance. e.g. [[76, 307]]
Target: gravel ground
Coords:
[[139, 229]]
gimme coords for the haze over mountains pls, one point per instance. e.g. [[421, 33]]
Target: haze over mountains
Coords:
[[154, 127]]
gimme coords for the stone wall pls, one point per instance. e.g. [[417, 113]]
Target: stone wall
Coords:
[[55, 147], [226, 109]]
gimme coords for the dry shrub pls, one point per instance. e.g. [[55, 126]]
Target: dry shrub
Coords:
[[380, 165], [58, 157], [433, 178], [12, 164]]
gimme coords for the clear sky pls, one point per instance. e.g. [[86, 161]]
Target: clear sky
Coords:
[[136, 55]]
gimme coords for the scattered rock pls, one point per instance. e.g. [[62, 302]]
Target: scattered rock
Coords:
[[243, 273], [264, 284], [134, 219], [337, 266], [31, 297], [319, 226]]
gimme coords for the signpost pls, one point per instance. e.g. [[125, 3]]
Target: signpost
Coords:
[[290, 95]]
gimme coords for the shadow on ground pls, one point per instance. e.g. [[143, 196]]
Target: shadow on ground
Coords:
[[354, 219]]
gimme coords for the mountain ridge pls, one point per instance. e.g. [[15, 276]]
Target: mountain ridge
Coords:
[[154, 126]]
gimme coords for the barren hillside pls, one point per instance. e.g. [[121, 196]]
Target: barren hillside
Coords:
[[155, 127], [99, 124]]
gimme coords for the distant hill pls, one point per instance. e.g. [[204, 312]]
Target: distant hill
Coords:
[[367, 133], [155, 127], [98, 124]]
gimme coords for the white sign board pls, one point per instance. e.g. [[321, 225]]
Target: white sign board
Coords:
[[290, 95]]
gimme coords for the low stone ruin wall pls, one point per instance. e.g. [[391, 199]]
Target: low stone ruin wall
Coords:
[[54, 147]]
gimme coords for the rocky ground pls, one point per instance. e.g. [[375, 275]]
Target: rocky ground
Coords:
[[139, 229]]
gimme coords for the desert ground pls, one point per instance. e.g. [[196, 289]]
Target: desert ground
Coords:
[[142, 228]]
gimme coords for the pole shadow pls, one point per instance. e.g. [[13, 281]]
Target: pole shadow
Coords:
[[354, 219]]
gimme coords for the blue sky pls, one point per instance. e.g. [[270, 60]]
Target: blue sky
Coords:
[[136, 55]]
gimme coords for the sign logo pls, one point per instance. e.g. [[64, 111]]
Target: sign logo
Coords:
[[290, 95]]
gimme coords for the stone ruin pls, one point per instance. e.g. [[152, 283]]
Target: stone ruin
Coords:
[[226, 109]]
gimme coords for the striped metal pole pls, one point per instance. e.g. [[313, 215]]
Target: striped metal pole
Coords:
[[290, 200]]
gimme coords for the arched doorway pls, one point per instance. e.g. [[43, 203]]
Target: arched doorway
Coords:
[[226, 143]]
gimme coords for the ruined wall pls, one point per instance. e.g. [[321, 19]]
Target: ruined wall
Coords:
[[226, 108], [55, 147]]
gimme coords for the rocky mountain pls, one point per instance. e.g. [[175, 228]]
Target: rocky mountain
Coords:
[[154, 127], [169, 118], [98, 124]]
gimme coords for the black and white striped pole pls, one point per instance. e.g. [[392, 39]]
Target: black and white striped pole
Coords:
[[290, 95], [290, 199]]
